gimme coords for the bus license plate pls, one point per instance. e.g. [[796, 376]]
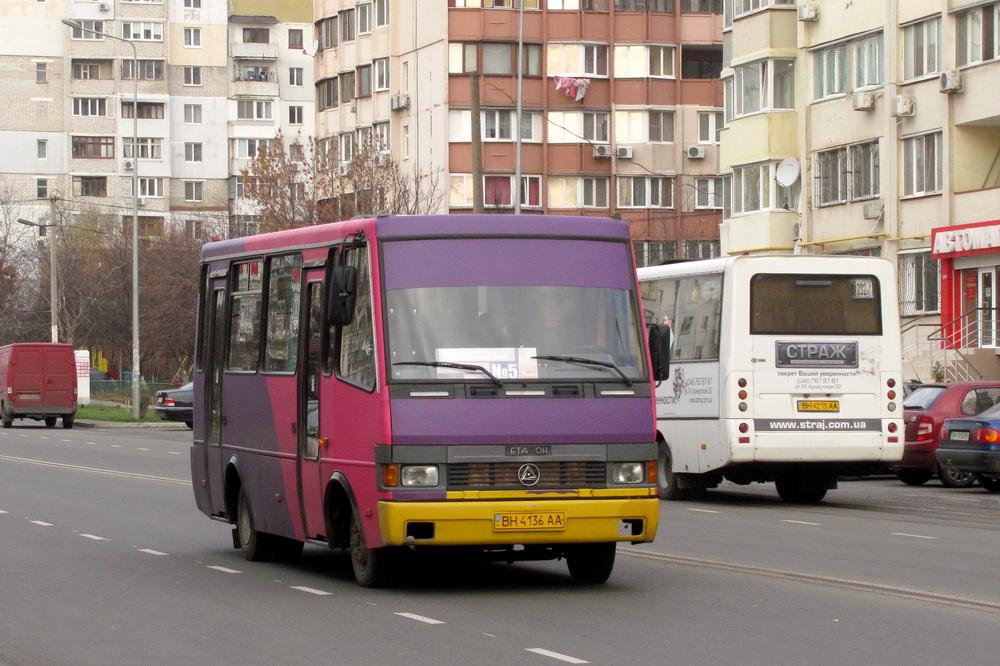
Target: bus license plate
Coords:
[[551, 520], [819, 405], [959, 436]]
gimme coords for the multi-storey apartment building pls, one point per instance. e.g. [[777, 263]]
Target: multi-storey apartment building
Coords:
[[873, 127], [620, 105], [210, 81]]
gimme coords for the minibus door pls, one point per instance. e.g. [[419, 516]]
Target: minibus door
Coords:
[[310, 445], [216, 306]]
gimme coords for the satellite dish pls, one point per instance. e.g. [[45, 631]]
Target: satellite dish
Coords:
[[787, 172]]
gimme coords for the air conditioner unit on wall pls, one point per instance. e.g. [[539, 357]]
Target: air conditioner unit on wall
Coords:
[[624, 152], [104, 6], [871, 210], [380, 159], [696, 152], [602, 150], [128, 165], [808, 13], [951, 81], [399, 102], [902, 105], [864, 101]]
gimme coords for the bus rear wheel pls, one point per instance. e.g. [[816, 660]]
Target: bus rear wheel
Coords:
[[373, 567], [256, 546], [591, 563], [666, 479], [802, 488]]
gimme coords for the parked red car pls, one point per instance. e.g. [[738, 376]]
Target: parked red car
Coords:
[[924, 411]]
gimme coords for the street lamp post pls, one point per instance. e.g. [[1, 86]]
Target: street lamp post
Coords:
[[53, 267], [76, 25]]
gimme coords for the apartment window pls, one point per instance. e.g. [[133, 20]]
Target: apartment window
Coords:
[[86, 70], [645, 192], [976, 35], [296, 152], [661, 126], [93, 146], [847, 173], [295, 38], [192, 152], [757, 86], [150, 148], [194, 230], [498, 190], [830, 70], [381, 134], [709, 192], [382, 74], [709, 126], [741, 7], [640, 61], [462, 57], [43, 149], [295, 115], [496, 4], [192, 37], [364, 18], [256, 36], [150, 188], [149, 70], [249, 109], [347, 86], [90, 106], [250, 148], [192, 114], [147, 110], [84, 31], [346, 146], [921, 43], [577, 192], [41, 72], [90, 186], [381, 13], [327, 32], [327, 93], [42, 188], [661, 6], [919, 283], [406, 142], [863, 161], [364, 81], [295, 76], [142, 31], [701, 6], [498, 58], [595, 126], [750, 189], [922, 164], [348, 25], [701, 63], [577, 59], [192, 76], [194, 190], [192, 4], [497, 124], [868, 61]]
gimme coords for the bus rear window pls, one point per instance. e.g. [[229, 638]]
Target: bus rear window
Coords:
[[782, 304]]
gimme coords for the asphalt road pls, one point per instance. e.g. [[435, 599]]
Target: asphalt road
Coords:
[[104, 559]]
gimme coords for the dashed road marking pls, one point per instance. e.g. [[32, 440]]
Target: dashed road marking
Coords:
[[41, 522], [555, 655], [93, 537], [150, 551], [799, 522], [311, 590], [703, 510], [420, 618], [224, 569], [912, 536]]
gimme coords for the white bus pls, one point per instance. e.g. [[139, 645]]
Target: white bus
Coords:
[[783, 368]]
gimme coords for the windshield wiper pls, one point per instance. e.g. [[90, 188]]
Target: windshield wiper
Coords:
[[457, 366], [587, 361]]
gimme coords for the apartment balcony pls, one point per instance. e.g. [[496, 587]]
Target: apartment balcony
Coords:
[[253, 51], [759, 137], [255, 82]]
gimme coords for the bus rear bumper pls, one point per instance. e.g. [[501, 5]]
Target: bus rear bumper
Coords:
[[486, 523]]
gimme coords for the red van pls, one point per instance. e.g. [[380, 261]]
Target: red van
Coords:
[[38, 381]]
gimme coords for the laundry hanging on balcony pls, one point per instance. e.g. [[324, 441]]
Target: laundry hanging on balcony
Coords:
[[572, 87]]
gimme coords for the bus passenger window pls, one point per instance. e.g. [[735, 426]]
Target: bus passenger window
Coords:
[[283, 297], [357, 341], [244, 329]]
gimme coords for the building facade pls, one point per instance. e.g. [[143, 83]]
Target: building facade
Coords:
[[584, 107], [868, 127]]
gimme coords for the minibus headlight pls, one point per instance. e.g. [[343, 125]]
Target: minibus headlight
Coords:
[[629, 472], [418, 476]]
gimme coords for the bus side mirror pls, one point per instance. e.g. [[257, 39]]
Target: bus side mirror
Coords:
[[343, 291], [659, 350]]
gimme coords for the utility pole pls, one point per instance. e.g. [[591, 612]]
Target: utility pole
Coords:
[[53, 265], [478, 206]]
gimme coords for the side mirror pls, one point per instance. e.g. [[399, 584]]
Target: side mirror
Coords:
[[659, 350], [342, 293]]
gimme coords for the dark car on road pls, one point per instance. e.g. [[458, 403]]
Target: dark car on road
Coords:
[[176, 404], [924, 411], [972, 445]]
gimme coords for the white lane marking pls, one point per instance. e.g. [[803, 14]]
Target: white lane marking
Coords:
[[175, 453], [41, 522], [94, 537], [224, 569], [145, 449], [799, 522], [703, 510], [912, 536], [150, 551], [66, 440], [92, 443], [311, 590], [420, 618], [116, 446], [183, 482], [2, 511], [555, 655]]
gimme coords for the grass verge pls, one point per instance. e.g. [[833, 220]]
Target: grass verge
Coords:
[[117, 413]]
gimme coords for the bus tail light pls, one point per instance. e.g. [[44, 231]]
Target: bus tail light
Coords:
[[891, 394], [390, 476], [892, 428], [744, 428]]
